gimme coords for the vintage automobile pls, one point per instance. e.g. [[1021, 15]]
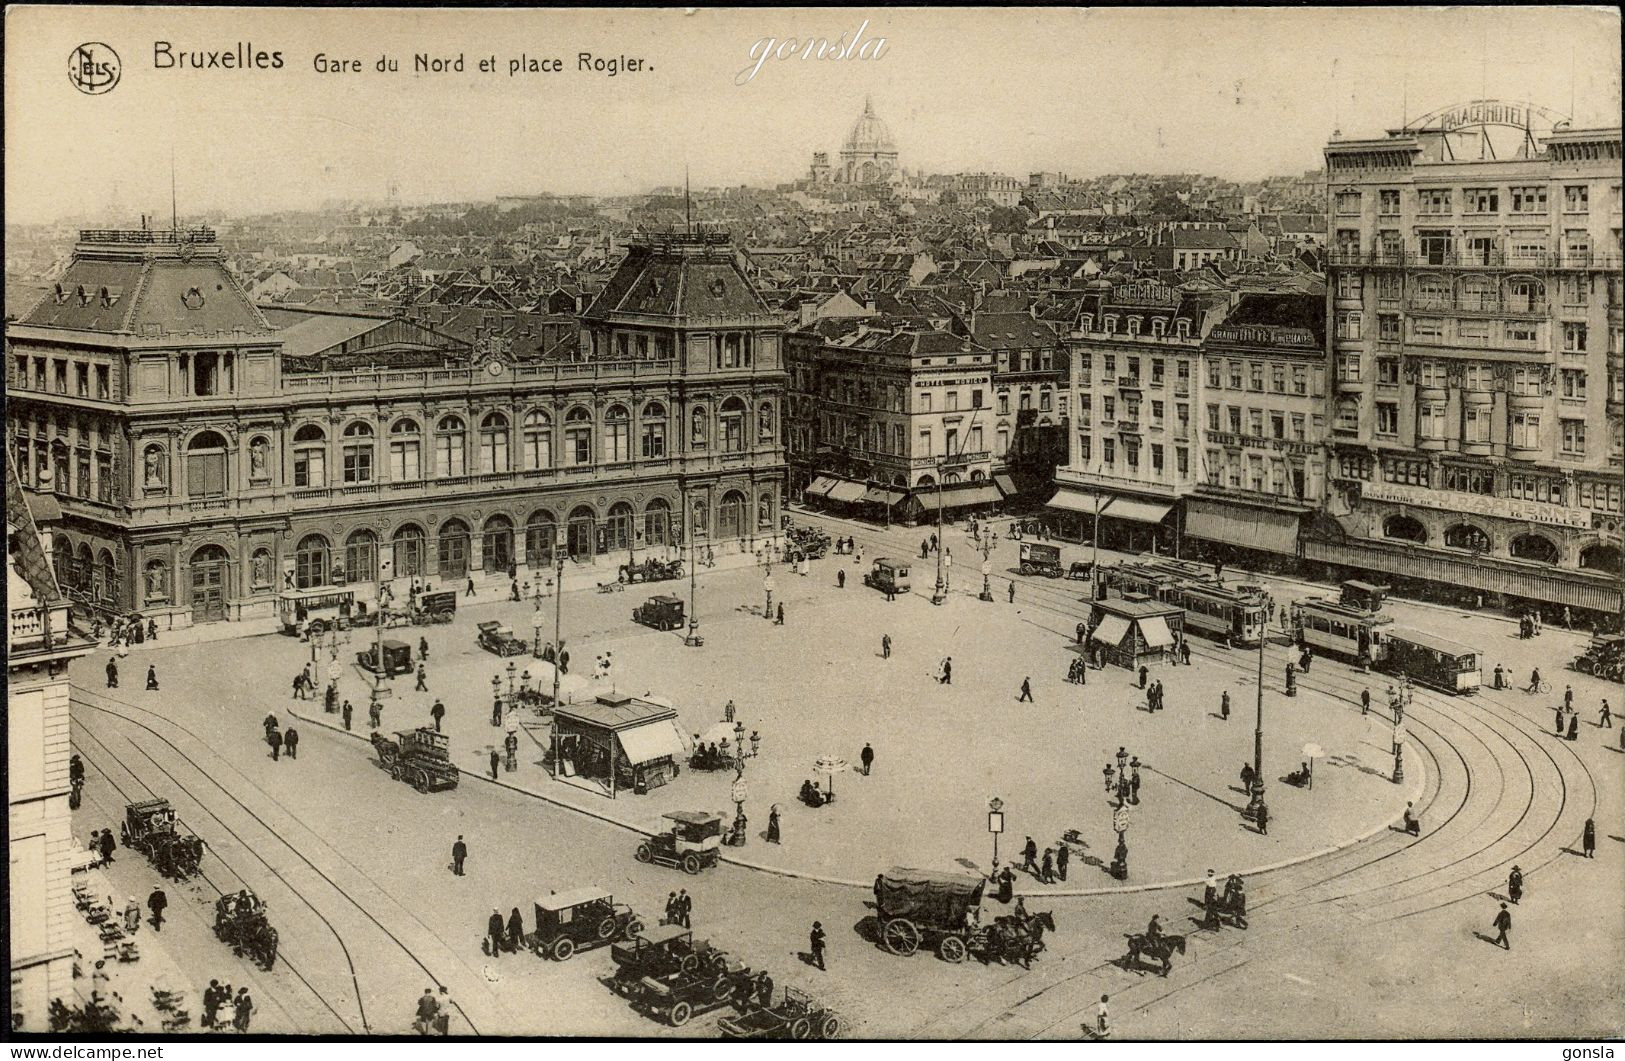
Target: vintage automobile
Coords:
[[661, 951], [797, 1016], [495, 637], [397, 659], [1040, 559], [437, 607], [240, 921], [580, 919], [694, 841], [662, 613], [943, 910], [809, 542], [1604, 657], [419, 756], [888, 575], [678, 997], [151, 828]]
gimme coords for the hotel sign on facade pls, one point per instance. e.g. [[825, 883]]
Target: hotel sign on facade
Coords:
[[1145, 293], [1263, 335], [1467, 504]]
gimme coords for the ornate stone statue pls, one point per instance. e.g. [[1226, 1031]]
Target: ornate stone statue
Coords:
[[258, 454], [154, 470]]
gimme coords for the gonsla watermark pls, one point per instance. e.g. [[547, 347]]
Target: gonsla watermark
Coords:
[[846, 46]]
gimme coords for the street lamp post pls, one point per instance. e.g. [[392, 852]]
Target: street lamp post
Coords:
[[1255, 806], [1094, 561], [1119, 867], [739, 792], [693, 640], [767, 586], [939, 594], [559, 542], [511, 672], [995, 825], [1401, 700]]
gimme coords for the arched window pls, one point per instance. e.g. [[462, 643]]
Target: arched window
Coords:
[[1534, 547], [618, 526], [927, 479], [764, 422], [977, 475], [106, 577], [407, 547], [1405, 528], [358, 443], [84, 568], [210, 570], [652, 437], [309, 457], [696, 427], [541, 532], [405, 451], [731, 515], [155, 583], [578, 436], [538, 439], [361, 556], [205, 465], [1467, 536], [453, 548], [617, 434], [494, 443], [496, 552], [1601, 557], [657, 523], [450, 447], [312, 563], [732, 419], [582, 532]]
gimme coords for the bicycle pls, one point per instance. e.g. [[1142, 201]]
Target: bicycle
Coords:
[[1543, 687]]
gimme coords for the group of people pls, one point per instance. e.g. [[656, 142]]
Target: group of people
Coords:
[[1053, 864], [280, 740], [1077, 672], [112, 675], [844, 546], [124, 630], [223, 1009], [679, 909], [1529, 624], [503, 936], [1153, 697], [433, 1013]]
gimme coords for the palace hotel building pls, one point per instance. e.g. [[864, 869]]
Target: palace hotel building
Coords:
[[1475, 353], [206, 461]]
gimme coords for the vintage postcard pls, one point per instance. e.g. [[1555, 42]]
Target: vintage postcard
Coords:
[[830, 523]]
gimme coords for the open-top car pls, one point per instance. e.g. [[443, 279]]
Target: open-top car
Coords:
[[661, 951], [580, 919], [497, 638], [692, 841], [677, 998]]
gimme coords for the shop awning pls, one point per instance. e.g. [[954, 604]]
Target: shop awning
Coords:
[[1155, 629], [958, 496], [1111, 630], [819, 486], [1255, 528], [644, 744], [1005, 483], [845, 490], [1070, 500], [883, 495], [1137, 510]]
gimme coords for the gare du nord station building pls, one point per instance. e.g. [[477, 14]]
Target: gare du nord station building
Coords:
[[207, 464]]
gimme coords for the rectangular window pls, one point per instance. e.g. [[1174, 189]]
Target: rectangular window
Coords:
[[1255, 422], [1255, 376], [925, 401], [358, 464], [1348, 368], [1431, 420], [1215, 467], [1529, 200], [1477, 378], [1277, 425], [81, 379], [1348, 285], [1278, 379], [1574, 437], [1576, 198], [1156, 458], [1108, 451], [1387, 370], [925, 442], [1432, 374], [1475, 425], [59, 372], [104, 390], [406, 461], [1574, 337], [1108, 409], [953, 401], [1433, 200], [1430, 329], [1182, 462], [1300, 379], [1156, 412], [1044, 400], [1388, 202], [1212, 417], [1297, 427], [1526, 430], [1574, 383], [1213, 375], [1348, 202], [1235, 375], [976, 399], [1521, 335], [1234, 415], [1108, 365], [1003, 403], [1480, 201], [309, 467], [1083, 446], [1387, 418]]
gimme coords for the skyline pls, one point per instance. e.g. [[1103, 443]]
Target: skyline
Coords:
[[1234, 93]]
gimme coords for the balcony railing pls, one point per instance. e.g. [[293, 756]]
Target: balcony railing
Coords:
[[1496, 259], [27, 624], [1500, 309]]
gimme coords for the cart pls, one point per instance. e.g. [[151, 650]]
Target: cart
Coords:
[[419, 756], [240, 921], [1040, 559], [693, 842], [435, 608], [943, 910]]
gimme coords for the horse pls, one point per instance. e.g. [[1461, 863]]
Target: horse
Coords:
[[1021, 939], [1162, 949]]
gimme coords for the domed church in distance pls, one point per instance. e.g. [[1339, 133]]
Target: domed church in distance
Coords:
[[868, 155]]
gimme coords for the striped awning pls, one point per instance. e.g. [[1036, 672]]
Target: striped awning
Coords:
[[1266, 529], [1071, 500], [1139, 511], [883, 495], [819, 486], [845, 490], [1005, 483], [958, 496]]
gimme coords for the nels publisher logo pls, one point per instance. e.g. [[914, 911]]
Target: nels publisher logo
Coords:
[[94, 68]]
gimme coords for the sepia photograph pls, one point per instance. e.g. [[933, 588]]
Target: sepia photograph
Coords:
[[652, 523]]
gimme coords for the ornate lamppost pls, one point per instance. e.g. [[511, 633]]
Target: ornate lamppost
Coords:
[[512, 670], [1255, 805], [739, 792], [1119, 867], [995, 825], [1399, 702]]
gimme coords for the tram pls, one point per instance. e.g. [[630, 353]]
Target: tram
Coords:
[[1339, 629], [1432, 661], [1231, 615]]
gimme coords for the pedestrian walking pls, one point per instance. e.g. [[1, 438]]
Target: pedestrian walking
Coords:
[[815, 941], [1605, 719], [1063, 855], [496, 711], [778, 619], [1502, 925], [1365, 701], [1134, 786], [106, 846], [459, 852], [496, 763], [1082, 630], [1046, 872], [437, 712], [1103, 1028], [1413, 824], [1185, 651], [1143, 675], [211, 999], [885, 653], [513, 590], [1012, 591], [947, 671], [494, 930], [773, 824], [423, 648], [840, 578], [275, 740], [346, 711], [1568, 618], [685, 908], [427, 1009], [1558, 714], [1574, 725], [1263, 820], [1224, 705], [112, 672], [132, 915], [671, 909], [1568, 698], [867, 758], [242, 1010], [290, 740], [516, 930], [1515, 885], [469, 592], [152, 630], [375, 714], [1588, 838], [157, 903], [1026, 691], [1029, 855], [152, 678]]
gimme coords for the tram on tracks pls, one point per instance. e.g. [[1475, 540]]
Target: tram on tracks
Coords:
[[1436, 662], [1234, 616], [1352, 627]]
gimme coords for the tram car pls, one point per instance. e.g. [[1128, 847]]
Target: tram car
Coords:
[[1234, 616], [1334, 628], [1432, 661]]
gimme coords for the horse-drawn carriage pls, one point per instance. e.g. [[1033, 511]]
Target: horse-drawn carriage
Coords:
[[240, 921], [943, 910], [419, 756], [650, 570], [151, 827]]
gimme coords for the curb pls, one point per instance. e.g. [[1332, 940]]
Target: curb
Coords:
[[793, 874]]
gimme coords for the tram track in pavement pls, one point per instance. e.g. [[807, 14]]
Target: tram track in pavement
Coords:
[[319, 879], [96, 762]]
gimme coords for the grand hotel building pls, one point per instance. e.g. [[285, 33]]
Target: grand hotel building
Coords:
[[202, 466], [1475, 345]]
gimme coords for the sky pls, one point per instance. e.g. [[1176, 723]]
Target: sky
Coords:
[[1240, 93]]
